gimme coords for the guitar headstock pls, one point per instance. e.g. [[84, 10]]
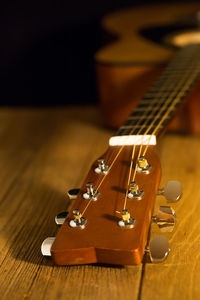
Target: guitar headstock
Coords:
[[106, 224]]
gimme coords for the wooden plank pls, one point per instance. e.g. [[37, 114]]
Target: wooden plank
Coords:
[[178, 277], [43, 153], [40, 158]]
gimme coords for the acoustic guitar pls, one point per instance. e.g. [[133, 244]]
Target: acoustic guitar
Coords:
[[111, 214], [138, 44]]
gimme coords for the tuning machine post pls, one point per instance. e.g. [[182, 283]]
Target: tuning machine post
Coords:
[[143, 165], [126, 221], [78, 221], [135, 192], [158, 249], [172, 191], [165, 219], [91, 193], [102, 167]]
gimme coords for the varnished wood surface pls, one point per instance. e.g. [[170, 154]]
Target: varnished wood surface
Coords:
[[118, 246], [45, 152], [129, 46]]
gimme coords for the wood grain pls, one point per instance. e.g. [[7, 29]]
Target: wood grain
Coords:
[[43, 153], [179, 275]]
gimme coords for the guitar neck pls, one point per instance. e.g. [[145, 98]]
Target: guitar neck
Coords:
[[160, 103]]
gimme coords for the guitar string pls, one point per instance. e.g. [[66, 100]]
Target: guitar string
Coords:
[[132, 160], [121, 148], [149, 108], [176, 100], [113, 163], [140, 149], [118, 155], [155, 130]]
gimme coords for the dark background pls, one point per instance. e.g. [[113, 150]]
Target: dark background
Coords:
[[47, 50]]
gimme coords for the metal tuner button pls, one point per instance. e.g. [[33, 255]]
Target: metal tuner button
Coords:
[[73, 193], [46, 246], [158, 249], [172, 191], [60, 218]]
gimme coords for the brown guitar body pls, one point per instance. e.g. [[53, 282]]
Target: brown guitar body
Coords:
[[110, 219], [128, 65]]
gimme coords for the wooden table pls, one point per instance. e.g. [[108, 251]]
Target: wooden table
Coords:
[[45, 152]]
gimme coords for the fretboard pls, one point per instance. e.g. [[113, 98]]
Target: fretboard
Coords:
[[159, 104]]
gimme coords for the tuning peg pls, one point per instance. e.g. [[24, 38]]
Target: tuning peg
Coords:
[[60, 218], [165, 218], [46, 246], [172, 191], [126, 220], [102, 167], [90, 193], [135, 192], [78, 220], [158, 249], [73, 193]]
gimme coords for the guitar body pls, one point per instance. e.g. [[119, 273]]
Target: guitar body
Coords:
[[110, 218], [141, 42]]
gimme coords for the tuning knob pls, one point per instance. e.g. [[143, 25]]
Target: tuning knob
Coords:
[[172, 191], [165, 219], [60, 218], [158, 249], [73, 193], [46, 246]]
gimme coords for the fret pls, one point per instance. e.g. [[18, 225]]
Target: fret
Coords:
[[139, 109], [126, 131], [155, 95], [152, 108], [160, 102], [146, 118], [137, 126]]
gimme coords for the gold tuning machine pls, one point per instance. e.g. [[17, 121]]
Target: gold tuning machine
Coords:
[[126, 221], [143, 165], [134, 191], [78, 220]]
